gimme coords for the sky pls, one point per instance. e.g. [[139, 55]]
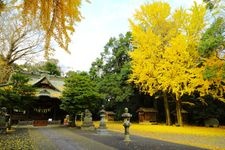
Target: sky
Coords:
[[102, 19]]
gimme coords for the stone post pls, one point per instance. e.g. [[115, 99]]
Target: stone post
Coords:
[[126, 124]]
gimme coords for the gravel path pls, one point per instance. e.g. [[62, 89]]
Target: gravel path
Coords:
[[46, 138], [115, 139], [60, 138]]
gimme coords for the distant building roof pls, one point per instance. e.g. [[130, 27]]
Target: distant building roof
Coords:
[[143, 109], [47, 85], [110, 113]]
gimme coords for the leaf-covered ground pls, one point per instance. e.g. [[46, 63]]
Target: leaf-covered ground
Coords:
[[38, 138], [18, 139], [204, 137]]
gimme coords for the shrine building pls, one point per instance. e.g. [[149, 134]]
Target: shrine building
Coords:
[[45, 107]]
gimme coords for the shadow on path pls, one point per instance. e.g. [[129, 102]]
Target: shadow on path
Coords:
[[115, 139]]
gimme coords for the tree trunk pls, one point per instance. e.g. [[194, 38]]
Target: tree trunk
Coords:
[[4, 73], [179, 115], [167, 110]]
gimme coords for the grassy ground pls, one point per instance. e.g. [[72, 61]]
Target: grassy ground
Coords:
[[204, 137]]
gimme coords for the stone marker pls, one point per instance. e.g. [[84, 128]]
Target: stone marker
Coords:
[[126, 124], [87, 123]]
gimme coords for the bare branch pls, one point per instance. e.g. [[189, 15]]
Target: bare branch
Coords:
[[18, 40]]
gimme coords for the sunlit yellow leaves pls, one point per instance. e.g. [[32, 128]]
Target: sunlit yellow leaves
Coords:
[[4, 71], [196, 21], [56, 18], [213, 75], [165, 55], [176, 67], [146, 16]]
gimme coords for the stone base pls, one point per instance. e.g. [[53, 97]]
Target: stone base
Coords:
[[90, 128], [102, 127], [127, 138], [102, 131]]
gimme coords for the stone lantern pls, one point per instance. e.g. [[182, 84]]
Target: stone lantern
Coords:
[[4, 120], [102, 129], [102, 124], [126, 124]]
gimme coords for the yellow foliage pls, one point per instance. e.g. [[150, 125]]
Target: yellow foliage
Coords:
[[214, 70], [5, 71], [165, 53], [57, 19]]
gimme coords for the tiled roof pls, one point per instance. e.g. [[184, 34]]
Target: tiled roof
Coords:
[[143, 109], [56, 84]]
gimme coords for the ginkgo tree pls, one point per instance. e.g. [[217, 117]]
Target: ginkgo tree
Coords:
[[165, 56], [56, 18], [50, 21]]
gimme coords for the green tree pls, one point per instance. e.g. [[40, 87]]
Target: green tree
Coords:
[[213, 39], [112, 69], [18, 93], [80, 93], [211, 48], [52, 68]]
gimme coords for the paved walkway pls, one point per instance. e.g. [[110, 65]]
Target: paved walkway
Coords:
[[61, 138]]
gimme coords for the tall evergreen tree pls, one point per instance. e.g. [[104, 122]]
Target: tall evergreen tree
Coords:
[[112, 69]]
